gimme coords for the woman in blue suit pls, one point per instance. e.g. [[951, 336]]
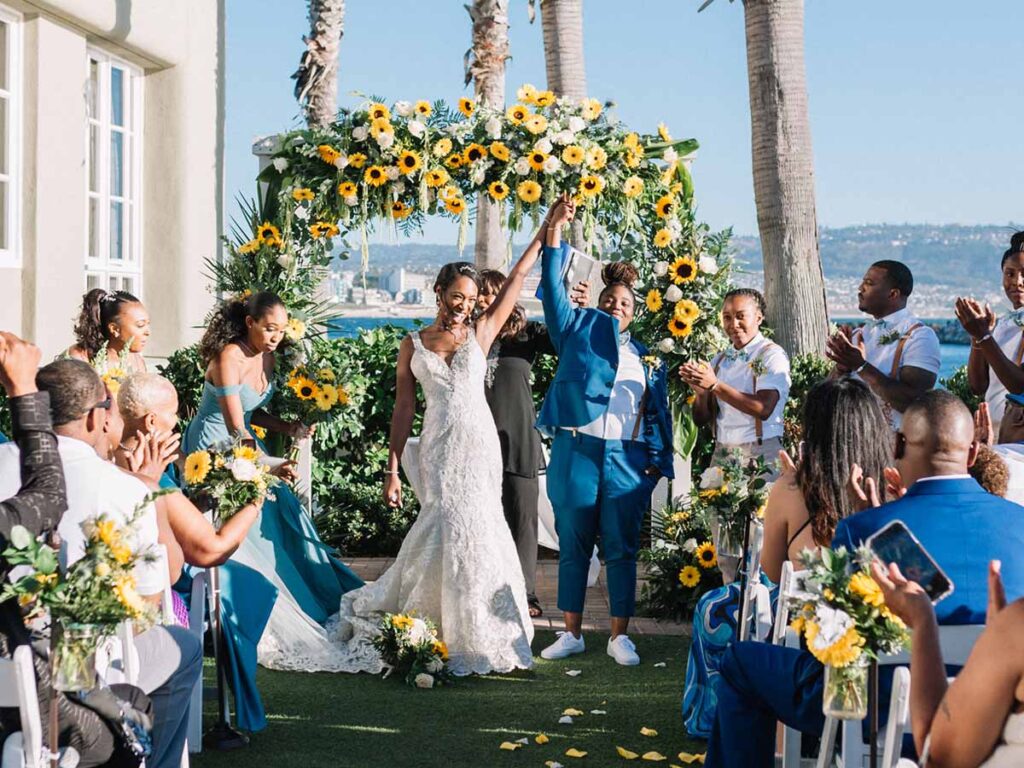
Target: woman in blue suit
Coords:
[[607, 410]]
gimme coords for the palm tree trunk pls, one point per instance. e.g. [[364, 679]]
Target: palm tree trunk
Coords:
[[316, 80], [486, 68], [783, 167]]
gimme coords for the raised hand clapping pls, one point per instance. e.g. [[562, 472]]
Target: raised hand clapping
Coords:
[[19, 361], [976, 319]]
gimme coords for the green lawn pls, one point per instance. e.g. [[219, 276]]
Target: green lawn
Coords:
[[357, 721]]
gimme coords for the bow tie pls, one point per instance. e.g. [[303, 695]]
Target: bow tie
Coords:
[[880, 324], [1017, 316], [735, 354]]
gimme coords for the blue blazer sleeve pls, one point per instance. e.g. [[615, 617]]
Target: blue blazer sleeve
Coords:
[[558, 311], [843, 537]]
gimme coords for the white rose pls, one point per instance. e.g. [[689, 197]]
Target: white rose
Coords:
[[670, 156], [286, 261], [576, 124], [564, 137], [666, 345], [478, 174], [385, 140], [341, 163], [673, 294], [833, 624], [543, 145], [423, 680], [712, 477], [435, 665], [391, 172], [399, 187], [244, 471], [660, 268], [552, 164], [419, 631], [690, 545], [360, 132], [280, 164], [417, 129], [522, 166], [301, 212], [351, 201], [707, 264], [403, 108], [493, 127]]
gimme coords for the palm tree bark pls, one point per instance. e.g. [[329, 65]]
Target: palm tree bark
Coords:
[[783, 167], [316, 80], [485, 67]]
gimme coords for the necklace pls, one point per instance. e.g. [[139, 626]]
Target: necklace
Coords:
[[247, 347]]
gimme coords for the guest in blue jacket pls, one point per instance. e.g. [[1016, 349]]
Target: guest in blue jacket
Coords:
[[607, 410]]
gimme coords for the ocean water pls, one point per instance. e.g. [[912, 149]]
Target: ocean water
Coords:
[[953, 355]]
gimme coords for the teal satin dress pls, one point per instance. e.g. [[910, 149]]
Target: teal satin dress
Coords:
[[284, 535]]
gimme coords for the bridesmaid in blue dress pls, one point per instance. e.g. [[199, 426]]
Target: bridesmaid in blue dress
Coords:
[[282, 554]]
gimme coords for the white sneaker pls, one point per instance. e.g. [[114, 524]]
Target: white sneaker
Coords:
[[621, 649], [566, 645]]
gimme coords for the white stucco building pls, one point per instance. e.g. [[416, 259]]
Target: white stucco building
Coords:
[[111, 160]]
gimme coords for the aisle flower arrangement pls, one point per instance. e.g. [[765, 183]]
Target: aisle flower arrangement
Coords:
[[225, 479], [841, 612], [410, 648], [731, 493]]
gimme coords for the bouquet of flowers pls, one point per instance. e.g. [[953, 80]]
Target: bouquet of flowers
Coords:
[[313, 394], [409, 646], [841, 612], [731, 494], [227, 478], [86, 602], [681, 562]]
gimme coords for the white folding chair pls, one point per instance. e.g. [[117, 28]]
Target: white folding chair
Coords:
[[757, 602], [783, 635], [24, 748], [196, 624]]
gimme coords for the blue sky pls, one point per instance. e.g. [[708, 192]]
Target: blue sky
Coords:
[[917, 106]]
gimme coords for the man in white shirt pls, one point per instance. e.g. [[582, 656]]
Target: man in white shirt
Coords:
[[170, 658], [894, 353]]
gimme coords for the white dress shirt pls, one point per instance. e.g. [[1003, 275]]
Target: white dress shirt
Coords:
[[94, 486], [881, 337], [618, 422], [736, 368], [1007, 334]]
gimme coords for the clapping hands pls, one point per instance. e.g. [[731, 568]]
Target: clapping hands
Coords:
[[976, 319], [19, 361], [844, 353], [698, 375], [153, 453]]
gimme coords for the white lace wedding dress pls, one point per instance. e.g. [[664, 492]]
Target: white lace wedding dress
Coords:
[[458, 564]]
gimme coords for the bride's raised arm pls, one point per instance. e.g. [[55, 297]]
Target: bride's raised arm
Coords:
[[401, 423], [492, 321]]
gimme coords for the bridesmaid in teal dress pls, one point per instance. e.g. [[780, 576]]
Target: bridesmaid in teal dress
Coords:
[[282, 550]]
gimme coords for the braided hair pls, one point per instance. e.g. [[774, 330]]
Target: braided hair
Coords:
[[227, 323], [749, 293], [1016, 246], [619, 273], [99, 309]]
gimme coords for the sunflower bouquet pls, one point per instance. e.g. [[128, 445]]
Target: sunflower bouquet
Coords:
[[314, 394], [840, 611], [409, 647], [227, 479], [681, 563], [85, 602], [731, 494]]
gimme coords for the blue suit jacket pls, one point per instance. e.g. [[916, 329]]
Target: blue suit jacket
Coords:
[[587, 342], [963, 527]]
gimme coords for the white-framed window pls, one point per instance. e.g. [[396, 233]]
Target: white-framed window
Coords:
[[113, 251], [10, 138]]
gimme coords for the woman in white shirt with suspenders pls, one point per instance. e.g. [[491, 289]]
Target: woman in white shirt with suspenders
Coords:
[[743, 390]]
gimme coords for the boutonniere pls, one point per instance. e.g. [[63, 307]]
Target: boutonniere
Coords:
[[758, 367], [890, 337], [652, 363]]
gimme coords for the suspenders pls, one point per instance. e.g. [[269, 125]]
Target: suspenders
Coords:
[[758, 423], [894, 371]]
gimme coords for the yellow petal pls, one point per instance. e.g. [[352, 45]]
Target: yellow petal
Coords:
[[654, 757], [508, 745], [573, 752], [626, 754], [541, 738], [645, 731], [571, 712], [687, 758]]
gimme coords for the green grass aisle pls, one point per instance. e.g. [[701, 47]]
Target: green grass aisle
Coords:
[[361, 721]]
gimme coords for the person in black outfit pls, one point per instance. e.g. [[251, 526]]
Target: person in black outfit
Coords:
[[38, 507], [510, 397]]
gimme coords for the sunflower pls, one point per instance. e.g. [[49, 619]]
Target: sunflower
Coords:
[[682, 270], [295, 329], [544, 98], [679, 327], [467, 106], [327, 397], [324, 229], [347, 189], [528, 191], [867, 588], [258, 432], [597, 158], [400, 210], [381, 125], [536, 124], [328, 153], [440, 648], [526, 93], [245, 452], [442, 147], [303, 387], [706, 557], [250, 247], [409, 162], [498, 190], [302, 193], [197, 467], [632, 140], [401, 622], [455, 205], [635, 157], [664, 206], [591, 109], [437, 177], [663, 132], [516, 114], [379, 111], [474, 152], [689, 576], [573, 155], [499, 151], [453, 160], [841, 653], [653, 300], [325, 374], [687, 310], [450, 192], [269, 234], [357, 159], [633, 186], [591, 186], [537, 158], [375, 175]]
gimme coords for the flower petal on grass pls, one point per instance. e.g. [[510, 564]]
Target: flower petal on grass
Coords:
[[574, 672], [509, 746], [571, 712], [565, 720], [523, 740], [552, 764], [689, 759], [573, 752], [541, 738], [654, 757], [645, 731], [598, 712], [661, 664], [625, 754]]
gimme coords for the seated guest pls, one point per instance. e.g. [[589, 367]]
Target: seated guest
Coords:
[[960, 524], [170, 658], [979, 719], [894, 354], [842, 426]]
